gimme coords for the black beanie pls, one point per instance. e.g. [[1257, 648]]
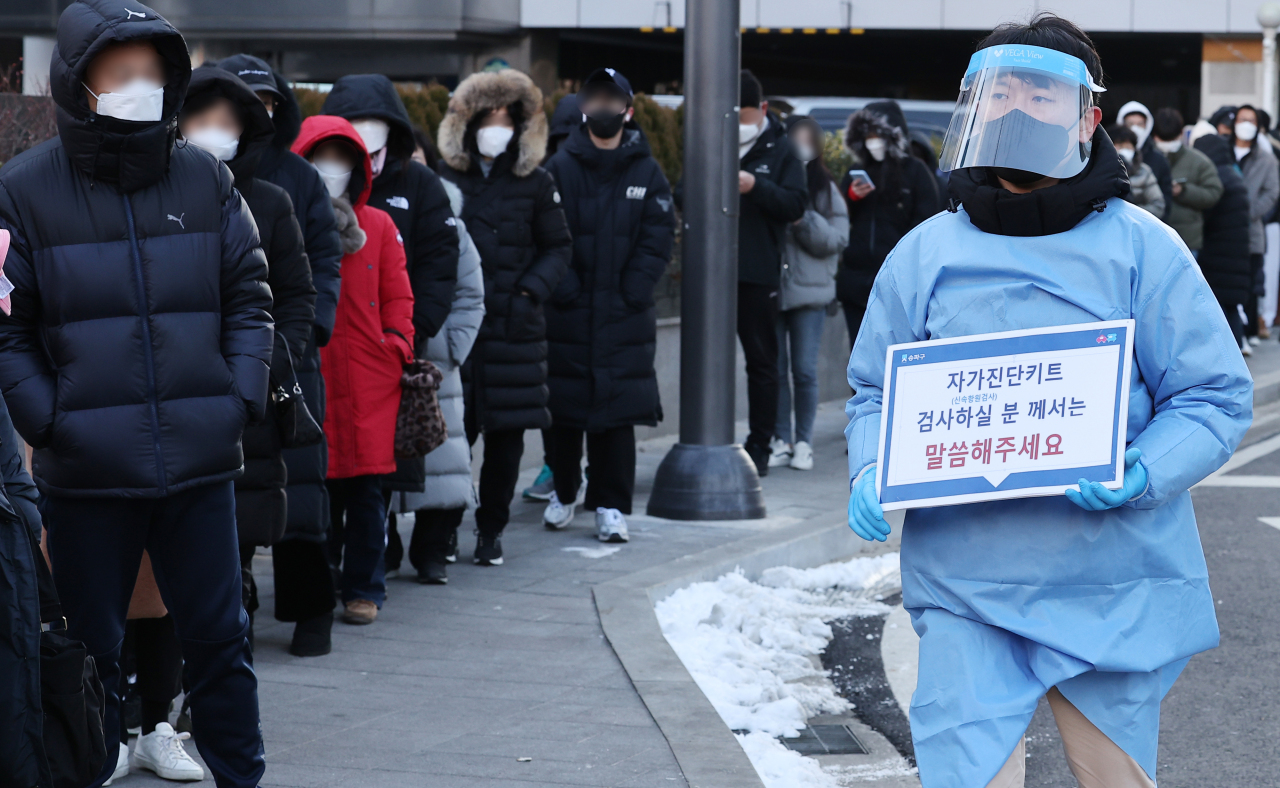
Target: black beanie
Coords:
[[750, 94]]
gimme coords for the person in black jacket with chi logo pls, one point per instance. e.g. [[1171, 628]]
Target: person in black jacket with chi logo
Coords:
[[601, 322]]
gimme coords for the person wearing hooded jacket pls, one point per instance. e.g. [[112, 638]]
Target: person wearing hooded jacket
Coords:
[[223, 116], [995, 588], [412, 195], [1196, 187], [1139, 119], [449, 489], [601, 322], [303, 584], [373, 338], [1224, 256], [902, 194], [1262, 178], [491, 141], [137, 350]]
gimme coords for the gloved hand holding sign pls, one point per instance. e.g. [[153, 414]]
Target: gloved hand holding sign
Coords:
[[866, 518], [1096, 498]]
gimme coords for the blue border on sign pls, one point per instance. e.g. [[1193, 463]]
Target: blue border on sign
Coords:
[[1006, 346]]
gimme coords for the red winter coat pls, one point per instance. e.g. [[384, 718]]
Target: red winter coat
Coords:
[[362, 362]]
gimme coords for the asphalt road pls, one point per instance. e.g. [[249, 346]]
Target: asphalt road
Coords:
[[1220, 724]]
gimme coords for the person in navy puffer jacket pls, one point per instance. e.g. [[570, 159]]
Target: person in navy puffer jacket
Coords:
[[136, 353]]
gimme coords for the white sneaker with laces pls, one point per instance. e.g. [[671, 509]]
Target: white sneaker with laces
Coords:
[[1255, 341], [122, 766], [1245, 348], [557, 516], [802, 460], [611, 526], [779, 453], [161, 751]]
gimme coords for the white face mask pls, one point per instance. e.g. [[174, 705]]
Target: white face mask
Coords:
[[140, 100], [1246, 131], [747, 132], [335, 176], [491, 141], [220, 142], [1126, 154], [804, 153], [1173, 146], [1140, 129], [374, 133], [876, 147]]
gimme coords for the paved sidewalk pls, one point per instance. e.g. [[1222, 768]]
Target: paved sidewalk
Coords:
[[453, 685]]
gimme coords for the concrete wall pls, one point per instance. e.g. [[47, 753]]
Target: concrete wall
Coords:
[[832, 360]]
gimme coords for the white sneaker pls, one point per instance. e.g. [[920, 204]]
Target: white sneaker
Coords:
[[1255, 341], [557, 516], [611, 526], [802, 460], [122, 765], [779, 453], [1245, 348], [161, 751]]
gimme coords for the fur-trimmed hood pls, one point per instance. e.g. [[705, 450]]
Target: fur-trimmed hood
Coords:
[[485, 91], [869, 123]]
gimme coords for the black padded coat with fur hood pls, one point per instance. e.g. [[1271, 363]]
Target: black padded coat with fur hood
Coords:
[[515, 219], [906, 194]]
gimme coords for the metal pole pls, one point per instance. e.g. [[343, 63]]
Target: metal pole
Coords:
[[706, 476], [1269, 19]]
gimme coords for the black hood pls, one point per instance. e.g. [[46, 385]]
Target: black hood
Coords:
[[373, 96], [131, 154], [210, 82], [287, 117], [892, 112], [579, 145], [565, 119], [1047, 211], [1217, 149]]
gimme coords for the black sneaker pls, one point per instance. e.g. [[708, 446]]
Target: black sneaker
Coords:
[[451, 556], [312, 638], [435, 573], [488, 550], [759, 454]]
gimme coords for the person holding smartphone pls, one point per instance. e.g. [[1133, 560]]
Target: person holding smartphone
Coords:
[[888, 192], [1196, 185], [1095, 599]]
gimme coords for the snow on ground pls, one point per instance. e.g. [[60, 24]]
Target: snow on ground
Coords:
[[749, 647]]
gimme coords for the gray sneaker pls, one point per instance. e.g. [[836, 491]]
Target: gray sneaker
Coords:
[[542, 486], [611, 526]]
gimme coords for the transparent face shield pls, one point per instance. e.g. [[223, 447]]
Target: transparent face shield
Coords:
[[1022, 108]]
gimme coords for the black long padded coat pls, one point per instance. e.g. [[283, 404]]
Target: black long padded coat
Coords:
[[261, 506], [308, 516], [416, 201], [1224, 255], [601, 323], [140, 338]]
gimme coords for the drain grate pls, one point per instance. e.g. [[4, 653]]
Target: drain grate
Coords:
[[826, 740]]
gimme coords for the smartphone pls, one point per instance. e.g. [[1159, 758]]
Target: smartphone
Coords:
[[860, 175], [1179, 180]]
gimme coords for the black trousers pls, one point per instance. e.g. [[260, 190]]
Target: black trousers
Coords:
[[758, 333], [1232, 313], [303, 579], [96, 545], [1251, 303], [151, 648], [432, 535], [498, 473], [611, 458]]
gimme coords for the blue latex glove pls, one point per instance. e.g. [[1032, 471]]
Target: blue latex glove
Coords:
[[866, 518], [1096, 498]]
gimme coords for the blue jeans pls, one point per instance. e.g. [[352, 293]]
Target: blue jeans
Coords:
[[362, 536], [799, 337]]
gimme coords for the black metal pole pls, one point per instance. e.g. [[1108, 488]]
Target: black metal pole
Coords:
[[707, 476]]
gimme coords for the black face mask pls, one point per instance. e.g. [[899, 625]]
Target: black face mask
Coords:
[[605, 124], [1020, 148]]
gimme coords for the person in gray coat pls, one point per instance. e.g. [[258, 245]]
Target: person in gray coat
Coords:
[[1262, 179], [448, 492], [810, 258]]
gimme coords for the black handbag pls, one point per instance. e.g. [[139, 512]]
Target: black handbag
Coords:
[[298, 428], [70, 692]]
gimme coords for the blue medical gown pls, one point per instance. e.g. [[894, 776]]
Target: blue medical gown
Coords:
[[1011, 598]]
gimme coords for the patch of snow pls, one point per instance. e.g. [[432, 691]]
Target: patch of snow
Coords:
[[593, 552], [749, 647]]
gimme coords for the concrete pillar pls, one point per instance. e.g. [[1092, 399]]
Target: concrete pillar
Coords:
[[36, 54]]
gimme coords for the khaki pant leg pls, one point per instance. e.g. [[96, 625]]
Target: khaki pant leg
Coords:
[[1014, 772], [1095, 760]]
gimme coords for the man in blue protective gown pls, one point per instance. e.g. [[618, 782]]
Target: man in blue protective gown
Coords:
[[1099, 598]]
